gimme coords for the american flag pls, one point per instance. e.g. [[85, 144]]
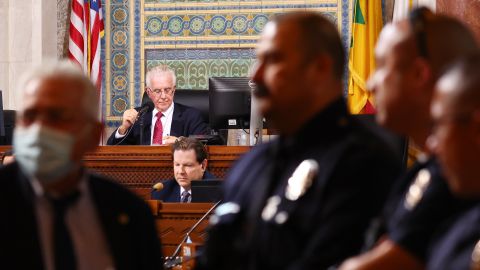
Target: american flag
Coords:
[[86, 32]]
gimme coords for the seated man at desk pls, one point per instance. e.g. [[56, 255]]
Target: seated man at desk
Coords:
[[189, 164], [166, 122]]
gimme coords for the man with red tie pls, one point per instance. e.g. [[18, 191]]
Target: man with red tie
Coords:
[[166, 122]]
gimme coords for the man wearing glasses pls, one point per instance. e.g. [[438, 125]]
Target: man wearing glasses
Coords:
[[166, 122]]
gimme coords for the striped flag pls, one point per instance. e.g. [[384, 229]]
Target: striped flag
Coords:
[[86, 32], [366, 26]]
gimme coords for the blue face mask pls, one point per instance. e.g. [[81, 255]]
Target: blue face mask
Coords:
[[43, 152]]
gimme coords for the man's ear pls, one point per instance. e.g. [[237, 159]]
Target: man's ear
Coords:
[[422, 72], [149, 93], [204, 164]]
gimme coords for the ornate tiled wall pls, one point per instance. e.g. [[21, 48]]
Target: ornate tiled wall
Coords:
[[196, 38]]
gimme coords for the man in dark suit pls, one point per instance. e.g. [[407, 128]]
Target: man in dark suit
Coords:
[[166, 122], [189, 164], [55, 214], [456, 141], [304, 200]]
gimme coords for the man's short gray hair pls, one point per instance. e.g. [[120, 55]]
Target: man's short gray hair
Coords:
[[159, 70]]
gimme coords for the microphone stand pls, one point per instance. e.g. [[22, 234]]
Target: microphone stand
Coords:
[[168, 263], [140, 115], [142, 125]]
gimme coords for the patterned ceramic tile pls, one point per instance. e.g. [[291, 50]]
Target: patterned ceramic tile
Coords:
[[197, 38]]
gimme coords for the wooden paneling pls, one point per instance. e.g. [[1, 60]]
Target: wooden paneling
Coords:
[[174, 220], [139, 167]]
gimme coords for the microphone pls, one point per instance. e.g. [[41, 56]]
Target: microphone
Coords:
[[158, 186], [148, 106], [172, 261]]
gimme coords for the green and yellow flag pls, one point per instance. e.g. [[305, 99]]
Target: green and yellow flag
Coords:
[[366, 26]]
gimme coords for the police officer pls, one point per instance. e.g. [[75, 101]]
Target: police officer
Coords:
[[302, 201], [456, 140], [411, 56]]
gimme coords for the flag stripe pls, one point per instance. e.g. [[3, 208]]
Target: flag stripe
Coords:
[[86, 32]]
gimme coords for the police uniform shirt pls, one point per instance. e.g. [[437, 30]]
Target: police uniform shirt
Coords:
[[456, 246], [425, 202], [257, 227]]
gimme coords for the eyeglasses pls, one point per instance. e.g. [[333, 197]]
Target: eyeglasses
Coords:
[[418, 20], [167, 91]]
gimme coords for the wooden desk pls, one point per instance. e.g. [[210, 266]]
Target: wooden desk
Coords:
[[139, 167], [174, 220]]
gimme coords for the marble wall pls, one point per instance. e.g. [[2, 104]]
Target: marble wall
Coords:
[[19, 50]]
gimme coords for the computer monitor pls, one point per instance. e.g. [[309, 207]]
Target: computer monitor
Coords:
[[206, 190], [229, 99]]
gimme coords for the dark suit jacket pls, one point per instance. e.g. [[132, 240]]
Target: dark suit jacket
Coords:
[[323, 226], [133, 244], [171, 189], [186, 121]]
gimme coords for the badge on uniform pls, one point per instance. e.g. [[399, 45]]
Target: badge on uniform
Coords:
[[301, 179], [417, 189]]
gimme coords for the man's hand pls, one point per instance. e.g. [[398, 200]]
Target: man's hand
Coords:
[[168, 140], [128, 119]]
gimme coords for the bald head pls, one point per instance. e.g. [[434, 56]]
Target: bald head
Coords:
[[456, 137], [447, 39], [439, 39], [317, 35], [299, 69], [461, 85], [411, 55]]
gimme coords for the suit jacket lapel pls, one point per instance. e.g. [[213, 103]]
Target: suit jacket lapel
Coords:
[[175, 195], [147, 128], [177, 121], [110, 215], [172, 191], [27, 237]]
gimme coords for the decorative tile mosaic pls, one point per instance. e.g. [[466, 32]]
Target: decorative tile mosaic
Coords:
[[197, 38]]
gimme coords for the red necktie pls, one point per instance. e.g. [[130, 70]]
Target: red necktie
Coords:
[[158, 131]]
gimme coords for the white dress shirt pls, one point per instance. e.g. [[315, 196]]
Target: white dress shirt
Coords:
[[189, 191], [166, 122]]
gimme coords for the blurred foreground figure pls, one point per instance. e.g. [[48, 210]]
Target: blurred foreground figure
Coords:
[[302, 201], [411, 55], [55, 214], [456, 141]]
